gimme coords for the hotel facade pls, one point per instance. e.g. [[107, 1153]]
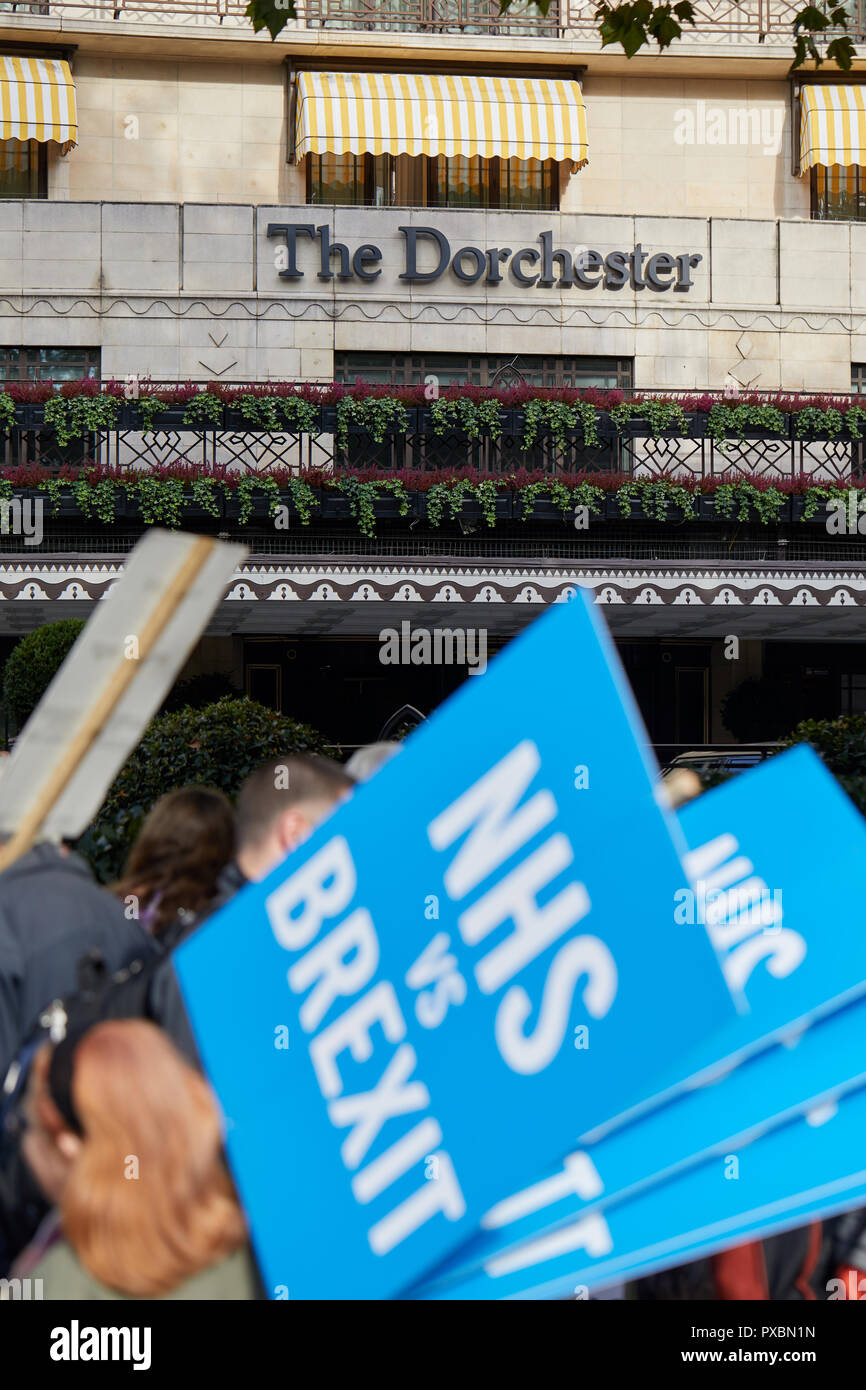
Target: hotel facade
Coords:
[[426, 193]]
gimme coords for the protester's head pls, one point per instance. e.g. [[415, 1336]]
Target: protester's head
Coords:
[[280, 805], [364, 763], [125, 1137], [184, 844]]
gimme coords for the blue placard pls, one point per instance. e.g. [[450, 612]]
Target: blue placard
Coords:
[[820, 956], [790, 932], [809, 1168], [430, 957], [820, 1065]]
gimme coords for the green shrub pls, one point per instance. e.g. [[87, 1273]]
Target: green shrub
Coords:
[[841, 745], [841, 742], [33, 664], [216, 746]]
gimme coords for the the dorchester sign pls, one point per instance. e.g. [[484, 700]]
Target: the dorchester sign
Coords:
[[428, 254]]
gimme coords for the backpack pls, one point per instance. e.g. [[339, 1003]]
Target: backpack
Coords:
[[792, 1266]]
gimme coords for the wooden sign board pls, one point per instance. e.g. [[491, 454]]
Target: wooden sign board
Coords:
[[110, 685]]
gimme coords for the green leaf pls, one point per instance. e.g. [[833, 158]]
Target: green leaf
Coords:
[[272, 15], [841, 51]]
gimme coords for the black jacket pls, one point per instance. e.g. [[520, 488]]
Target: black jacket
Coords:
[[164, 1000], [52, 913]]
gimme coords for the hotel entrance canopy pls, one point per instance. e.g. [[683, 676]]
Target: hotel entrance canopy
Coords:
[[435, 114], [37, 101]]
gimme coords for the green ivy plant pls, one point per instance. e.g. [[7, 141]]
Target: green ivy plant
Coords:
[[660, 415], [561, 420], [854, 419], [375, 414], [566, 498], [452, 495], [7, 411], [163, 501], [95, 498], [474, 418], [726, 422], [204, 409], [816, 497], [362, 499], [275, 413], [304, 499], [160, 500], [737, 499], [813, 420], [148, 407], [71, 417]]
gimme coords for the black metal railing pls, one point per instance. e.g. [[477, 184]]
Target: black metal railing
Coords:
[[233, 444]]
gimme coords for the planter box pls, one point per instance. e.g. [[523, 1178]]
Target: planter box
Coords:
[[335, 506], [472, 511], [707, 512], [758, 431], [604, 428], [614, 512], [697, 424], [234, 419], [543, 509], [391, 429], [823, 436], [506, 509], [172, 419], [231, 507], [821, 515], [638, 427]]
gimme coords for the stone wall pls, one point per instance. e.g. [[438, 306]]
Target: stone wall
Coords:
[[215, 132], [177, 291]]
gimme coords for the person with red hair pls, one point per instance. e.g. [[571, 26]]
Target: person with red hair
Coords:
[[124, 1135]]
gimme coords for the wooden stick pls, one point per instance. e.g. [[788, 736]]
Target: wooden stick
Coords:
[[115, 688]]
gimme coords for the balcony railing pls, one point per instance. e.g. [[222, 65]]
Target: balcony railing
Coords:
[[434, 16], [716, 21]]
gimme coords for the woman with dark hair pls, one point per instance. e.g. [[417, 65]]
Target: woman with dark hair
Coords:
[[125, 1137], [171, 875]]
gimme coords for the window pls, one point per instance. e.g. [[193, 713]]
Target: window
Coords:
[[23, 169], [838, 193], [48, 364], [436, 16], [608, 373], [858, 377], [444, 181], [853, 694]]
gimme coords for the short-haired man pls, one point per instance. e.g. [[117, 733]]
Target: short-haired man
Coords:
[[279, 806]]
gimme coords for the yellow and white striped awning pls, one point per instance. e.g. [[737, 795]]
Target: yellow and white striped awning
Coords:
[[37, 100], [400, 113], [832, 125]]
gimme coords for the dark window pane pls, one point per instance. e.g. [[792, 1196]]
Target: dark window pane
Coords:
[[20, 168], [838, 193], [449, 369], [457, 181], [42, 364]]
